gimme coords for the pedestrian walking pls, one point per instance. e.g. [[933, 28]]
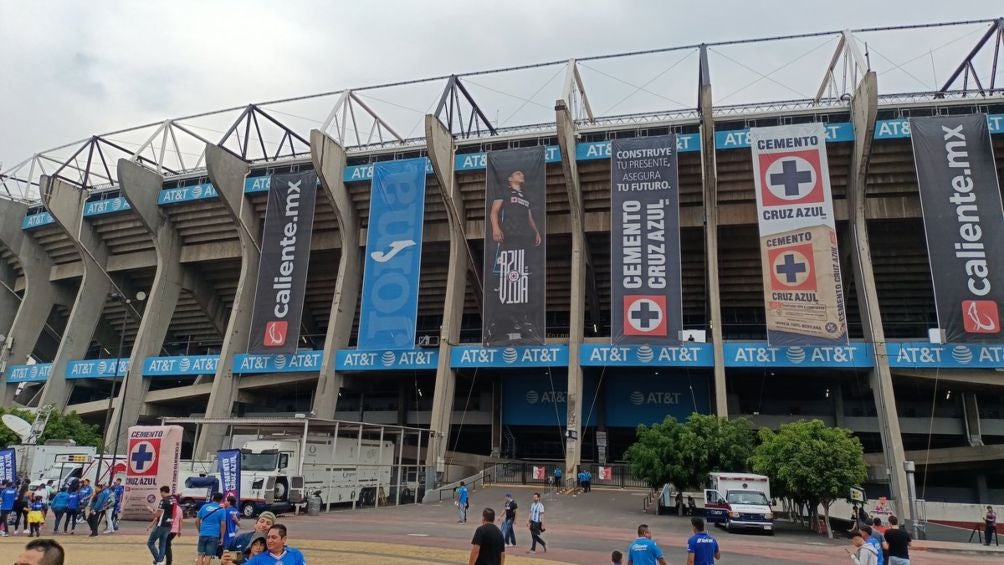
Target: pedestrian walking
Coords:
[[41, 552], [990, 521], [160, 527], [864, 553], [702, 549], [108, 516], [691, 506], [588, 483], [897, 543], [36, 516], [536, 523], [8, 496], [176, 521], [644, 550], [487, 545], [118, 490], [58, 506], [509, 520], [557, 478], [279, 553], [463, 503], [875, 540], [72, 511], [21, 504], [210, 523], [97, 508]]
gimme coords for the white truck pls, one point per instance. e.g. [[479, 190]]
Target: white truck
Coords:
[[739, 501], [54, 461]]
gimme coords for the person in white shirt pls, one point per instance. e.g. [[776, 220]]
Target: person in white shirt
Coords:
[[536, 524]]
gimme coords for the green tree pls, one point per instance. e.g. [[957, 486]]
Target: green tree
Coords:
[[683, 453], [60, 426], [810, 463]]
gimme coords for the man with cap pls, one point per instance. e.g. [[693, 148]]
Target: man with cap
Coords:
[[508, 519], [242, 542]]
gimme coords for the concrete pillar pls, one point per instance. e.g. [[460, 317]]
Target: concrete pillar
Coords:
[[709, 181], [9, 300], [227, 173], [329, 162], [864, 107], [837, 393], [30, 314], [577, 291], [441, 150], [66, 204], [141, 188]]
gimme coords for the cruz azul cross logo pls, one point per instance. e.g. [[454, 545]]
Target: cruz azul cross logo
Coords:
[[791, 268], [645, 315], [791, 178], [981, 316], [275, 333], [143, 457]]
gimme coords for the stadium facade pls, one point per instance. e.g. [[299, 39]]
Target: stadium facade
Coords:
[[190, 239]]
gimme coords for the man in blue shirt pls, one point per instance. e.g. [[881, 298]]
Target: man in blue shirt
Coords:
[[210, 523], [644, 551], [702, 549], [463, 502], [99, 505], [7, 497], [232, 521], [557, 477], [278, 552], [86, 491], [118, 491], [72, 511]]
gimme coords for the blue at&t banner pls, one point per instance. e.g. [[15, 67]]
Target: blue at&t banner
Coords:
[[8, 466], [187, 365], [647, 399], [37, 373], [689, 354], [299, 362], [229, 464], [921, 355], [475, 356], [760, 354], [542, 400], [96, 368], [389, 308], [387, 360]]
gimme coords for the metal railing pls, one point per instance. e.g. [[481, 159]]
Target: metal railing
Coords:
[[542, 473]]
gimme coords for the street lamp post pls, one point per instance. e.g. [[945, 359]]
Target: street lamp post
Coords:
[[140, 296]]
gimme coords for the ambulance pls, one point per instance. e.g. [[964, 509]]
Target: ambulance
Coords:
[[739, 501]]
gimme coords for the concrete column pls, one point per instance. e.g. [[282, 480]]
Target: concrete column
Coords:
[[66, 204], [577, 291], [441, 150], [26, 322], [709, 180], [329, 162], [837, 392], [864, 107], [141, 188], [9, 300], [227, 173]]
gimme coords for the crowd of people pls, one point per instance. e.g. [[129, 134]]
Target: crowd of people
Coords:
[[77, 502]]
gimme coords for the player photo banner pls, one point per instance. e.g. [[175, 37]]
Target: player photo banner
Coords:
[[389, 310], [961, 202], [282, 270], [803, 290], [515, 244], [646, 292]]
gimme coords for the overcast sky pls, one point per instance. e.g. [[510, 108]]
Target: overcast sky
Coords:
[[72, 69]]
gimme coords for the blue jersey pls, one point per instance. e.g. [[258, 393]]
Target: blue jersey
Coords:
[[7, 498], [232, 516], [462, 495], [211, 515], [644, 551], [85, 495], [100, 501], [289, 557], [73, 501], [704, 548], [38, 505], [119, 492], [878, 547]]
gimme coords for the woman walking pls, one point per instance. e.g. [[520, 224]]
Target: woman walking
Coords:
[[59, 507]]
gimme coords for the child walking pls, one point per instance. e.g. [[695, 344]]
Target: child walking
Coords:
[[36, 515]]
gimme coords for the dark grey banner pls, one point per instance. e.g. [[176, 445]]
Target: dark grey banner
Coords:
[[645, 288], [515, 248], [961, 201], [285, 255]]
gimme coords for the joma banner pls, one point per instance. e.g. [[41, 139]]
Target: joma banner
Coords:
[[229, 464], [646, 292], [282, 271], [8, 465], [961, 202], [803, 291], [153, 461], [515, 243], [389, 310]]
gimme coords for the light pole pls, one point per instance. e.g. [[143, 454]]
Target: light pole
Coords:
[[126, 302]]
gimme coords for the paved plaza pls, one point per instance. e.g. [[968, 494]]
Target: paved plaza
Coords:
[[582, 529]]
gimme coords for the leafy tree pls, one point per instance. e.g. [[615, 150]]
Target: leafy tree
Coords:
[[810, 463], [60, 426], [683, 453]]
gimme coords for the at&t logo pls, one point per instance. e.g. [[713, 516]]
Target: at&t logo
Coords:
[[546, 397], [639, 398]]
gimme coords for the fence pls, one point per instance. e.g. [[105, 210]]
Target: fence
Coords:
[[542, 473]]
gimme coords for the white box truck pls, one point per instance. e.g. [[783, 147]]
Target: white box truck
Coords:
[[739, 501]]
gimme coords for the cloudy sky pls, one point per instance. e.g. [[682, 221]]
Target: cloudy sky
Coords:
[[73, 69]]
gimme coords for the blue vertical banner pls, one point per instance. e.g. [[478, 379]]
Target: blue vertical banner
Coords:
[[229, 461], [389, 311], [8, 465]]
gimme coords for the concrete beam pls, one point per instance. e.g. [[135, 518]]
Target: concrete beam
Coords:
[[66, 204], [988, 377], [227, 173], [565, 125], [141, 188], [709, 182], [329, 162], [864, 108], [441, 148], [205, 296]]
